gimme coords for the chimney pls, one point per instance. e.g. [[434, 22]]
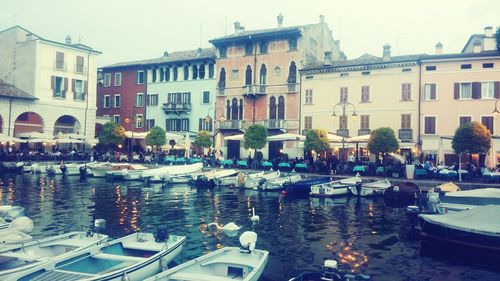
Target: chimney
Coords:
[[321, 19], [165, 54], [199, 52], [439, 48], [238, 27], [488, 31], [328, 57], [476, 47], [387, 52], [68, 40], [280, 20]]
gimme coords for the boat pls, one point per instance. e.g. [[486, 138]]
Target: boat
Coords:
[[303, 186], [402, 195], [128, 172], [99, 170], [334, 188], [469, 199], [16, 259], [477, 229], [256, 182], [133, 257], [229, 263], [210, 178], [233, 181], [72, 169], [330, 273], [277, 183], [171, 172], [371, 189]]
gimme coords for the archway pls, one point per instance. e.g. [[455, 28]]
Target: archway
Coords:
[[66, 124], [28, 122]]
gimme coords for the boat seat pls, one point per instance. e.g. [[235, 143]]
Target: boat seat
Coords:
[[23, 256], [187, 276], [61, 275], [226, 261], [118, 257]]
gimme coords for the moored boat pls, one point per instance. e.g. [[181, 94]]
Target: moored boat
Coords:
[[233, 181], [99, 170], [209, 179], [334, 188], [128, 172], [330, 273], [371, 189], [256, 182], [469, 199], [171, 172], [304, 186], [133, 257], [277, 183]]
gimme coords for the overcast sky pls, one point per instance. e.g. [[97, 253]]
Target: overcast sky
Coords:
[[129, 30]]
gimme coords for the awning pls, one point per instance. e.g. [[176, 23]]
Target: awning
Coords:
[[334, 138], [61, 141], [35, 135], [5, 138], [136, 135], [363, 138], [239, 137], [286, 137]]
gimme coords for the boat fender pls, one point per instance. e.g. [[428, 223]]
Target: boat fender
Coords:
[[63, 168], [396, 188], [125, 277], [161, 234], [163, 264]]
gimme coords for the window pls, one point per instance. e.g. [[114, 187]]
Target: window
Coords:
[[406, 92], [430, 91], [107, 79], [248, 49], [344, 74], [118, 79], [272, 108], [117, 101], [464, 120], [150, 123], [206, 97], [106, 102], [343, 95], [405, 121], [203, 125], [248, 75], [364, 122], [487, 90], [308, 120], [293, 44], [79, 64], [177, 125], [430, 68], [153, 75], [139, 100], [343, 122], [365, 93], [211, 70], [406, 70], [162, 75], [235, 73], [186, 72], [195, 72], [201, 71], [430, 125], [116, 119], [488, 65], [167, 74], [365, 73], [78, 89], [60, 61], [223, 52], [263, 47], [309, 96], [176, 73], [487, 121], [138, 121], [152, 99], [140, 77], [466, 66], [59, 86], [281, 108], [465, 90]]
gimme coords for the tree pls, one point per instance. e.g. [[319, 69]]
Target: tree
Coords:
[[471, 138], [255, 137], [112, 134], [383, 141], [156, 137], [203, 140], [316, 140], [497, 38]]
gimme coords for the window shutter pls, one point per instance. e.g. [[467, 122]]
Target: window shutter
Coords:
[[456, 91], [433, 125], [85, 87], [53, 82], [497, 89], [200, 124], [427, 125], [210, 125], [433, 91], [476, 90], [65, 87]]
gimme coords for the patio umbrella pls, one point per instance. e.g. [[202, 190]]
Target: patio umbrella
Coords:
[[61, 141], [172, 136], [363, 138], [136, 135], [334, 138], [218, 142], [491, 156], [35, 135], [286, 137], [187, 144], [5, 138], [440, 153]]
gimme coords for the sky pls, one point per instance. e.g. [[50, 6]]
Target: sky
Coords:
[[126, 30]]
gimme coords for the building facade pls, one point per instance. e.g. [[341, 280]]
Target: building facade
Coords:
[[258, 83], [59, 76]]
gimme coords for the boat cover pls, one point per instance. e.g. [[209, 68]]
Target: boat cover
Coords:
[[481, 220], [449, 187], [481, 192]]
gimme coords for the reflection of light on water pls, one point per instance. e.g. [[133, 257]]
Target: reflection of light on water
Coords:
[[10, 190], [371, 209], [135, 216], [347, 256]]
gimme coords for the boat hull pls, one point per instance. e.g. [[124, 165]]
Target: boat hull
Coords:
[[303, 186]]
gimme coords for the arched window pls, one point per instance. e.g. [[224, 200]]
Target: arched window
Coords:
[[234, 109], [195, 72], [281, 108], [162, 75], [241, 110], [292, 73], [272, 108], [211, 71], [248, 75], [153, 75], [228, 109], [263, 74], [186, 72], [222, 78], [176, 73], [202, 72], [167, 74]]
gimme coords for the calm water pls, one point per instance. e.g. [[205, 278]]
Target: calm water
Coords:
[[365, 235]]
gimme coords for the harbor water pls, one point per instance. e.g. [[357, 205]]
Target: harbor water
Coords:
[[363, 234]]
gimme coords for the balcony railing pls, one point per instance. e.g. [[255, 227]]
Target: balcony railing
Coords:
[[274, 124], [406, 134], [292, 88], [343, 132], [230, 125], [221, 91], [177, 108], [259, 90], [255, 89], [362, 132]]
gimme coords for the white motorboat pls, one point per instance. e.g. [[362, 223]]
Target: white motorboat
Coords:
[[255, 183], [133, 257], [469, 199], [129, 172], [163, 174], [277, 183], [234, 180], [371, 189], [334, 188], [229, 263], [210, 178], [16, 259], [99, 170]]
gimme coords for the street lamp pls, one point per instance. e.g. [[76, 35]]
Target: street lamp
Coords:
[[137, 120], [344, 106], [496, 112]]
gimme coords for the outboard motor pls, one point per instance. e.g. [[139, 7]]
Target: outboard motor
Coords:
[[358, 188], [99, 225], [330, 271], [63, 168], [433, 202], [161, 234], [83, 172]]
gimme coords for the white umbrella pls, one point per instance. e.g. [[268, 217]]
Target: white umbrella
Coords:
[[136, 135], [5, 138], [187, 144], [39, 140], [363, 138], [35, 135], [334, 138], [71, 136], [239, 137], [286, 137], [491, 156], [60, 141], [172, 136]]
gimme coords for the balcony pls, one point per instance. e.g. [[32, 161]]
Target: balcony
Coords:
[[406, 135], [275, 124], [292, 88], [254, 90], [221, 91], [363, 132], [343, 132], [176, 108], [230, 125]]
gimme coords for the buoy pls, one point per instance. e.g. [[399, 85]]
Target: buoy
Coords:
[[283, 193], [254, 217]]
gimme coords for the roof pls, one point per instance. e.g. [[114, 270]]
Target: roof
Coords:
[[180, 56], [75, 45], [473, 38], [258, 33], [463, 55], [9, 91]]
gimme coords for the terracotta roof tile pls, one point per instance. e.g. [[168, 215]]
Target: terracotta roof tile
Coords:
[[9, 91]]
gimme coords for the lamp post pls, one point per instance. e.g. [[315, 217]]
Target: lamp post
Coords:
[[136, 120], [208, 118], [496, 112], [344, 106]]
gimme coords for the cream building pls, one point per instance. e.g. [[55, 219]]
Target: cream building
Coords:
[[375, 92], [60, 77]]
